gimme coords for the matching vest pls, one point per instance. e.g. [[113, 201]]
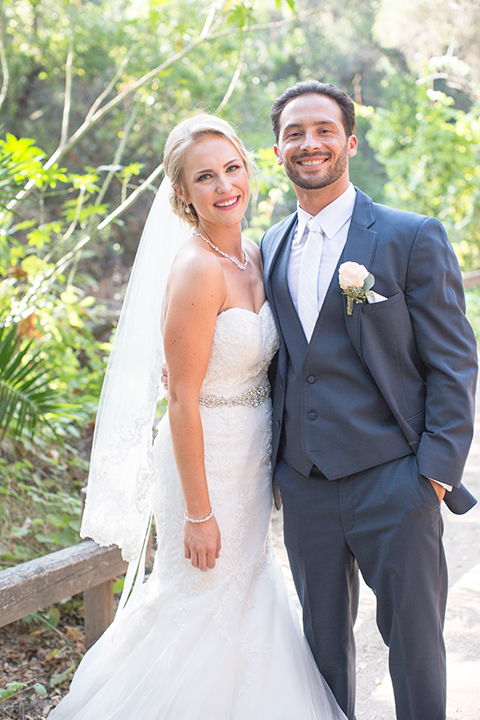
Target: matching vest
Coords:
[[335, 417]]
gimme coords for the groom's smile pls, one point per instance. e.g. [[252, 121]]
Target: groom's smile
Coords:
[[311, 163]]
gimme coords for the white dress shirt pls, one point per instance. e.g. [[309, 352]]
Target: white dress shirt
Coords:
[[335, 223]]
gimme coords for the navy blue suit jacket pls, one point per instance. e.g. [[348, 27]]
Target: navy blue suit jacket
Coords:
[[417, 345]]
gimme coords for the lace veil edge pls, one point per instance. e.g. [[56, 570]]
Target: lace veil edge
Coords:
[[122, 473]]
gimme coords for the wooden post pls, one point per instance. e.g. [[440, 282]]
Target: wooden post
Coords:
[[98, 605], [85, 567]]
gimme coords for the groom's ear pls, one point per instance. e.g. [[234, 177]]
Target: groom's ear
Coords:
[[352, 146], [278, 156]]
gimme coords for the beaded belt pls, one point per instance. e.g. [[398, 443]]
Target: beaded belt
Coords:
[[250, 398]]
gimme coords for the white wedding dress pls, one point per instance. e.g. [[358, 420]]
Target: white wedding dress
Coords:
[[225, 644]]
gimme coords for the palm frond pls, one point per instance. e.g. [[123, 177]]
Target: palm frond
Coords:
[[25, 396]]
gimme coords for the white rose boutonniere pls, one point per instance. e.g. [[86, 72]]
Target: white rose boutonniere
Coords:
[[356, 282]]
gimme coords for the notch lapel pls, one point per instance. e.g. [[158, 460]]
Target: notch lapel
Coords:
[[360, 248]]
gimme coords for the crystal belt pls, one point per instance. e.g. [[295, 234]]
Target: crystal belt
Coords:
[[250, 398]]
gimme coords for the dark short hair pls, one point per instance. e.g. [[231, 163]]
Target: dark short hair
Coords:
[[313, 87]]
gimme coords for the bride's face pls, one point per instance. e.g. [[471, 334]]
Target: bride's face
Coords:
[[215, 182]]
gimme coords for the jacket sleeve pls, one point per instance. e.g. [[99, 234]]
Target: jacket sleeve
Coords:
[[448, 350]]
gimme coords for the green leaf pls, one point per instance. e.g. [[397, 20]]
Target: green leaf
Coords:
[[60, 679], [24, 225], [33, 265], [70, 210], [43, 234], [118, 585], [87, 182], [45, 539], [40, 690], [369, 282], [10, 689], [132, 169]]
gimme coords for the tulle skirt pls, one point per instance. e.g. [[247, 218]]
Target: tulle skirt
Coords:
[[221, 645]]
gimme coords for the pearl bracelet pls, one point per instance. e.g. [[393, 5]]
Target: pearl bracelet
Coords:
[[191, 520]]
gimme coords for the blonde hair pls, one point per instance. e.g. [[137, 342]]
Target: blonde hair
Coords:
[[181, 138]]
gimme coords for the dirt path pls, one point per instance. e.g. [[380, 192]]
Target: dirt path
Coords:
[[462, 627]]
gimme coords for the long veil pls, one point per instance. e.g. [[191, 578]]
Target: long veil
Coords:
[[121, 474]]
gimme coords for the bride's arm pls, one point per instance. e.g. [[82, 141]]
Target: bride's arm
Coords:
[[196, 294]]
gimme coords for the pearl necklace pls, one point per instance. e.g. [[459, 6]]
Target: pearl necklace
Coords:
[[233, 259]]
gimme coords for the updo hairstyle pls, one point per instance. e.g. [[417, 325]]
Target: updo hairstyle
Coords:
[[181, 138]]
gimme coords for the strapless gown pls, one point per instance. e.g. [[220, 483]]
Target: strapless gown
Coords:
[[225, 644]]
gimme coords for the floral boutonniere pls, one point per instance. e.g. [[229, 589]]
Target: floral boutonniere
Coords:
[[356, 283]]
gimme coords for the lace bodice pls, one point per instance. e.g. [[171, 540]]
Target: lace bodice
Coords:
[[243, 345]]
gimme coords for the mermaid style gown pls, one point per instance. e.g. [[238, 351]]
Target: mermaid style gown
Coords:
[[225, 644]]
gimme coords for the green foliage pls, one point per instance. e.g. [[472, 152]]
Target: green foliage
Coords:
[[11, 689], [16, 688], [61, 677], [24, 393], [22, 160], [48, 618], [40, 507], [431, 154], [275, 191], [26, 238]]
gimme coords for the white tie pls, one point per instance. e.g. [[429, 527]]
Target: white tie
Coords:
[[308, 279]]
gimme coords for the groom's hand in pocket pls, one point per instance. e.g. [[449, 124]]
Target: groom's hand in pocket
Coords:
[[439, 489]]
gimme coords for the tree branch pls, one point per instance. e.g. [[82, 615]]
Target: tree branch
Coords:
[[68, 79], [43, 280], [119, 152], [94, 117], [63, 262], [111, 84], [5, 73], [99, 114], [233, 81], [216, 4]]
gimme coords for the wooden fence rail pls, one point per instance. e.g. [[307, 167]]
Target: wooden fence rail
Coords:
[[85, 567]]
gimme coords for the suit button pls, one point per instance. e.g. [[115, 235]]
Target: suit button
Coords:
[[311, 379], [312, 416], [277, 423]]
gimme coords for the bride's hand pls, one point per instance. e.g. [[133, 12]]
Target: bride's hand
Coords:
[[202, 543], [164, 378]]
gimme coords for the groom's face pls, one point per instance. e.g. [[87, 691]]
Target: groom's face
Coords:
[[312, 143]]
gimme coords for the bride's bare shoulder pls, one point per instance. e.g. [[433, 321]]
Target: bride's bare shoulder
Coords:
[[194, 258], [250, 245], [195, 272]]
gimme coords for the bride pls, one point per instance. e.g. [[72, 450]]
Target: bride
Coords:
[[212, 634]]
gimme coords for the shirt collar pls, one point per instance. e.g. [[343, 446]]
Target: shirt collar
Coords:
[[331, 218]]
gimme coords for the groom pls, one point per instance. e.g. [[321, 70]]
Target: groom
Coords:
[[373, 411]]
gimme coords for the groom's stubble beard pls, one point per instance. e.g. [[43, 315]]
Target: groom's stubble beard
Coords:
[[333, 173]]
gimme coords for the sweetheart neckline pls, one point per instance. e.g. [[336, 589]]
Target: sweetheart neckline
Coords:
[[251, 312]]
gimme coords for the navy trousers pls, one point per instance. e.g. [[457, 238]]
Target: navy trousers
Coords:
[[387, 522]]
